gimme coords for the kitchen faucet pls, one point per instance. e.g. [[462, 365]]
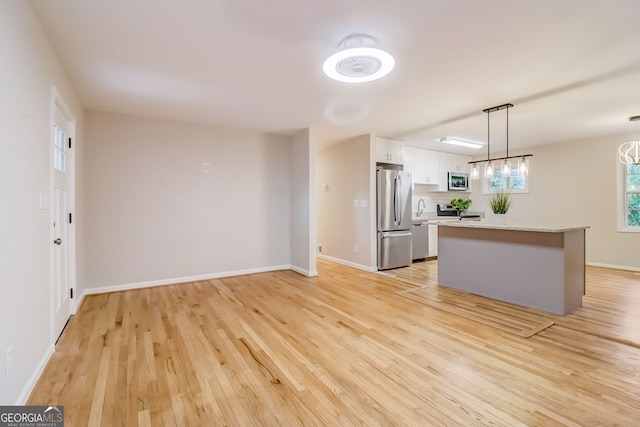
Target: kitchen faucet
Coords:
[[419, 208]]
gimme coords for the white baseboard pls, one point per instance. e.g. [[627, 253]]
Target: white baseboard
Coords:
[[303, 271], [348, 263], [33, 379], [173, 281], [615, 267]]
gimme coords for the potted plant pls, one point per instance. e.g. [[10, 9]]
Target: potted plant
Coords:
[[500, 202], [461, 204]]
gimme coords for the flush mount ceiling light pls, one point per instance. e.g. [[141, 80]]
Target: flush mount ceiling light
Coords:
[[461, 142], [505, 168], [358, 60], [630, 151]]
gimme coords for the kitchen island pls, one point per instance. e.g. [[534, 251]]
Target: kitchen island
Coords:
[[539, 266]]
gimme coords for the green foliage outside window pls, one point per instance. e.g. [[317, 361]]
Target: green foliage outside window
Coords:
[[633, 195], [514, 182]]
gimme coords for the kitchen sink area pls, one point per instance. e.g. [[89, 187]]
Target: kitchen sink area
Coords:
[[424, 230]]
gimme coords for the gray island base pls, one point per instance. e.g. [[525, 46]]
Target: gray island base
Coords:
[[531, 265]]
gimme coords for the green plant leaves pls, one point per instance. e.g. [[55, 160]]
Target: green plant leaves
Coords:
[[500, 202]]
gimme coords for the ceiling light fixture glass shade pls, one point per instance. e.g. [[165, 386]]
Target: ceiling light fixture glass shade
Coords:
[[475, 171], [488, 170], [358, 60], [461, 142], [506, 168], [523, 166], [629, 152]]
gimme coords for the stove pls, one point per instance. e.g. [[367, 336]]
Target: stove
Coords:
[[444, 210]]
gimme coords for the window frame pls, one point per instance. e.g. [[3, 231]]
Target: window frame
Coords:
[[487, 190], [622, 195], [59, 150]]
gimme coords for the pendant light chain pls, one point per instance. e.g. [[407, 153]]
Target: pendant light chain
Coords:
[[507, 132], [488, 136]]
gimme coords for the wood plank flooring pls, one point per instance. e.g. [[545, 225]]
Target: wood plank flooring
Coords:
[[341, 349]]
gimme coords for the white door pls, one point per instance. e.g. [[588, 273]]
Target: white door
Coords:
[[62, 303]]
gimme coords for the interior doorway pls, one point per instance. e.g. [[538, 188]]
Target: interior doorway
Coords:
[[61, 219]]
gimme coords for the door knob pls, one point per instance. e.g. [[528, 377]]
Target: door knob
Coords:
[[58, 241]]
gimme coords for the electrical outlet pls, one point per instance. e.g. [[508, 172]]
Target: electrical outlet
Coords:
[[355, 249], [8, 361], [319, 248]]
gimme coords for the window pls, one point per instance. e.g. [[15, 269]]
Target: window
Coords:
[[59, 150], [515, 182], [632, 196]]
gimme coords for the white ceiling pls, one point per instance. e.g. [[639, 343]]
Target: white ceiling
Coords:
[[570, 67]]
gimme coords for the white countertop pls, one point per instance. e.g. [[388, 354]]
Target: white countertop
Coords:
[[542, 228], [434, 219]]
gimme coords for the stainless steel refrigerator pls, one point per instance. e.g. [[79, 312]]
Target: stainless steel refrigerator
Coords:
[[394, 218]]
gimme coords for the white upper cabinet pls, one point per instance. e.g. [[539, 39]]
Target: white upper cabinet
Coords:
[[426, 167], [389, 151], [432, 167], [452, 163], [458, 163], [409, 160]]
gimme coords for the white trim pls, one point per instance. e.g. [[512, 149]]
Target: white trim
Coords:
[[58, 103], [303, 272], [33, 379], [620, 190], [487, 190], [615, 267], [629, 229], [621, 198], [348, 263], [177, 280]]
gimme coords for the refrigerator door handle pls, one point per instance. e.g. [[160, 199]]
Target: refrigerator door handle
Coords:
[[395, 200], [395, 234], [399, 189]]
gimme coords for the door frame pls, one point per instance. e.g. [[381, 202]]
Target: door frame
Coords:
[[58, 102]]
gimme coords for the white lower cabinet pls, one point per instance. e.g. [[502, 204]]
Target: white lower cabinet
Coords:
[[433, 240]]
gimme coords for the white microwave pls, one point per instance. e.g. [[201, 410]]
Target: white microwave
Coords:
[[458, 181]]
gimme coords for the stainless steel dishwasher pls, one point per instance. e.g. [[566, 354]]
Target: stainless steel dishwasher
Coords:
[[419, 241]]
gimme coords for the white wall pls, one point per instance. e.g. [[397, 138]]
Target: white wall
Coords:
[[303, 203], [28, 70], [575, 183], [345, 174], [171, 201]]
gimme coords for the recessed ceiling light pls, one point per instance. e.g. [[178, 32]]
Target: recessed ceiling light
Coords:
[[358, 60], [461, 142]]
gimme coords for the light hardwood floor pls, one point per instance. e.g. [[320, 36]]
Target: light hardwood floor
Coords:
[[345, 348]]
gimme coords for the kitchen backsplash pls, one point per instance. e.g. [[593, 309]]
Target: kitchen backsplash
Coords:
[[431, 199]]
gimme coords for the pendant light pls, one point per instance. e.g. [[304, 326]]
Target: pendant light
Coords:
[[505, 165], [488, 170], [475, 171], [629, 152], [523, 166]]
